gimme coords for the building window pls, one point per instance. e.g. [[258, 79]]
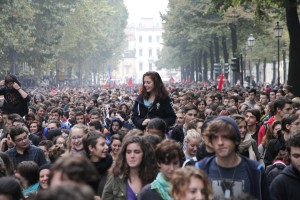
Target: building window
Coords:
[[141, 66], [141, 39], [157, 38], [150, 39], [158, 53], [140, 52], [150, 66], [150, 53]]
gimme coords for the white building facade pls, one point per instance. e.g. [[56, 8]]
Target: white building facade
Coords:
[[144, 45]]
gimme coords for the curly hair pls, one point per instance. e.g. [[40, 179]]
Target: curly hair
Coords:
[[159, 88], [181, 179], [148, 168]]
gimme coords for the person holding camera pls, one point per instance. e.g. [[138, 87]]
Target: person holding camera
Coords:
[[15, 98]]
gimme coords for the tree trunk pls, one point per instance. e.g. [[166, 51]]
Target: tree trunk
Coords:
[[205, 65], [294, 33], [217, 52], [232, 28], [13, 57], [211, 56], [192, 70], [265, 67], [200, 72], [284, 65], [225, 51], [257, 71]]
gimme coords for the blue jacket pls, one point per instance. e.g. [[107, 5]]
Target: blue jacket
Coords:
[[257, 178], [163, 110]]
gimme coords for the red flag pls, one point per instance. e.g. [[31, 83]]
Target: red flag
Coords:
[[188, 79], [171, 81], [130, 82], [220, 84]]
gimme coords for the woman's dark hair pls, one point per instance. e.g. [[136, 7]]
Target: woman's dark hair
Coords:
[[154, 140], [201, 101], [39, 126], [168, 150], [159, 88], [158, 124], [8, 163], [29, 170], [78, 169], [148, 168], [115, 137], [67, 191], [3, 171], [11, 187], [46, 143], [193, 123], [287, 121], [270, 133], [55, 152], [79, 113], [90, 139]]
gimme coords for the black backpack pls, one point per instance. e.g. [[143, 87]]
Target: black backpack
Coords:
[[273, 170]]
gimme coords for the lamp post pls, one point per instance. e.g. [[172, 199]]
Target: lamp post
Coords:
[[278, 33], [250, 42], [244, 64]]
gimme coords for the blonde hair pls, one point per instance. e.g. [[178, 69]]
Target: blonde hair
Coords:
[[192, 134], [83, 127]]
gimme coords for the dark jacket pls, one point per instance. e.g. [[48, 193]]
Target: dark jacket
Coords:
[[255, 172], [111, 133], [13, 101], [274, 146], [148, 194], [286, 185], [102, 167], [163, 110], [178, 134]]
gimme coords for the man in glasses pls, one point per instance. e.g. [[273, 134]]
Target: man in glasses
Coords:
[[23, 151]]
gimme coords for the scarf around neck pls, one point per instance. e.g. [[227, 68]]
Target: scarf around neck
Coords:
[[162, 186]]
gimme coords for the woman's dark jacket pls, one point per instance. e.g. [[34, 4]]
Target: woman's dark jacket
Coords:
[[163, 109]]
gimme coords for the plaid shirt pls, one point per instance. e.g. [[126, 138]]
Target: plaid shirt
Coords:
[[31, 153]]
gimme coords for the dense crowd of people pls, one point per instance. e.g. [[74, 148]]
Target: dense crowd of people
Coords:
[[182, 142]]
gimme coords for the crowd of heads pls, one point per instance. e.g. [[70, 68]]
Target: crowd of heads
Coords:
[[78, 127]]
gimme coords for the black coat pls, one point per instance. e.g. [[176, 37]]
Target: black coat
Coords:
[[163, 109]]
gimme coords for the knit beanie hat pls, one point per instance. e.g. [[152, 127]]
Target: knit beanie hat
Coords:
[[232, 123]]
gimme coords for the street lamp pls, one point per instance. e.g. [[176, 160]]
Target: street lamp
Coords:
[[278, 33], [250, 42]]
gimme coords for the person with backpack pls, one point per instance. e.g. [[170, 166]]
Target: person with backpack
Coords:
[[286, 185], [279, 163]]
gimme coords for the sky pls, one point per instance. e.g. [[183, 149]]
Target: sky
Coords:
[[145, 8]]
